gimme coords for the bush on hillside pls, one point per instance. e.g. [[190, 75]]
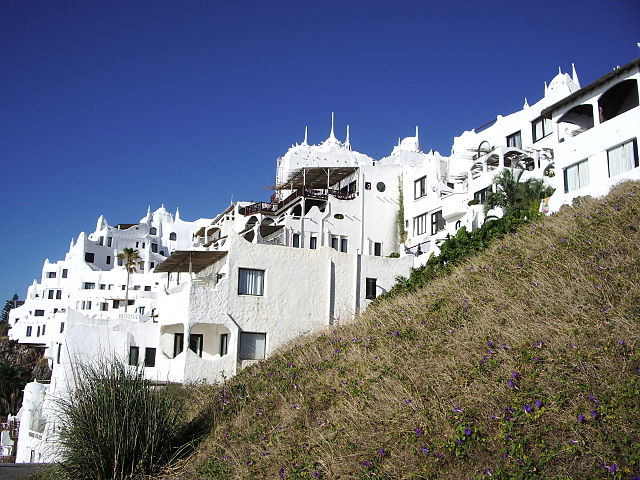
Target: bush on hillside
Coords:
[[115, 424]]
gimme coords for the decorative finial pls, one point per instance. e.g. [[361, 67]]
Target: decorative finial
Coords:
[[306, 136], [574, 75], [347, 142], [526, 103], [332, 135], [559, 70], [177, 217], [545, 88]]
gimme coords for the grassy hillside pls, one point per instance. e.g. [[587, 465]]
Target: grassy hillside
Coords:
[[522, 363]]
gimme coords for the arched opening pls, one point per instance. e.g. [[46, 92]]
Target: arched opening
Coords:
[[251, 222], [173, 236], [297, 211], [618, 99], [153, 231], [172, 340], [577, 120]]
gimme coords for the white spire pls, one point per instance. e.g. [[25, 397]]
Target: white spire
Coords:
[[177, 217], [526, 103], [559, 70], [545, 89], [306, 136], [332, 135], [417, 138], [347, 142], [574, 75]]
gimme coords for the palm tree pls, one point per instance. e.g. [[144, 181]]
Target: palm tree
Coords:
[[130, 258], [512, 195], [13, 378]]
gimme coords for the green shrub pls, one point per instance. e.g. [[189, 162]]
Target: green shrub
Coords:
[[115, 424]]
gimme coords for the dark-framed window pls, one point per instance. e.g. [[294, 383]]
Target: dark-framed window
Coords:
[[108, 259], [313, 243], [50, 295], [370, 292], [515, 140], [250, 281], [153, 231], [335, 242], [109, 241], [576, 176], [50, 275], [541, 127], [29, 330], [252, 345], [296, 240], [154, 248], [377, 249], [59, 352], [623, 157], [224, 344], [481, 195], [39, 313], [149, 357], [420, 187], [173, 236], [89, 257], [64, 273], [196, 341], [344, 245], [437, 222], [134, 355], [178, 344]]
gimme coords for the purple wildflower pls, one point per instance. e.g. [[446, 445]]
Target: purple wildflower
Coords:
[[490, 344], [515, 374], [289, 364], [594, 414], [527, 408], [459, 442], [467, 431], [408, 401], [337, 350], [573, 442], [563, 240], [396, 333], [606, 308], [494, 417], [535, 284], [457, 410], [367, 463], [382, 452], [424, 450], [539, 344], [593, 398], [486, 471], [581, 418], [419, 431], [622, 342], [511, 383], [316, 474], [538, 403]]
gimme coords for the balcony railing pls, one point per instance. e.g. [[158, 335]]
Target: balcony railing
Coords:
[[312, 193]]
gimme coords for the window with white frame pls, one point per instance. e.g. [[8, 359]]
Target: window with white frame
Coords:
[[420, 187], [541, 127], [420, 224], [250, 281], [576, 176], [252, 345], [623, 158]]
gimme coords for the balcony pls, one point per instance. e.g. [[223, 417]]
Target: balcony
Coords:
[[455, 204], [311, 193]]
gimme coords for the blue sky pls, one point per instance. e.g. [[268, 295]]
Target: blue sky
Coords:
[[108, 107]]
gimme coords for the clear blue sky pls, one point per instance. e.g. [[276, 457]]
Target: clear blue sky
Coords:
[[107, 107]]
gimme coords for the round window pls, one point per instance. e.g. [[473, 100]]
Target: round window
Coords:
[[338, 216], [381, 187]]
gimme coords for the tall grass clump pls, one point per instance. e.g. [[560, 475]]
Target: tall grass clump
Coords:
[[115, 424]]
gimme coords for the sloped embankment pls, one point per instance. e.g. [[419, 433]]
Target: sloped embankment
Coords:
[[523, 363]]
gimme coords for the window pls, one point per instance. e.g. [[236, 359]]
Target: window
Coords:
[[136, 287], [420, 224], [104, 306], [152, 264], [620, 98], [252, 345], [61, 327], [29, 329], [515, 140], [344, 245], [108, 260], [195, 343], [50, 294], [541, 127], [44, 329], [109, 241], [64, 273], [377, 249], [101, 241], [370, 293], [58, 294], [381, 187], [173, 236], [437, 222], [110, 286], [137, 244], [149, 357], [39, 313], [296, 240], [420, 187], [250, 281], [147, 288], [59, 353], [224, 344], [576, 176], [153, 231], [334, 242], [134, 354], [367, 185], [178, 344], [481, 195], [313, 243], [50, 275], [89, 286], [38, 331], [89, 257], [622, 158], [154, 247]]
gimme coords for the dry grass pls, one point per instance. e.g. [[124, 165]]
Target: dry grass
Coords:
[[420, 386]]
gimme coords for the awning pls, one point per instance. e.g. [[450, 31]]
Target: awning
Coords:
[[315, 177], [189, 261]]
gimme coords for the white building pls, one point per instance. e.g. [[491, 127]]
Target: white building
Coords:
[[217, 294]]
